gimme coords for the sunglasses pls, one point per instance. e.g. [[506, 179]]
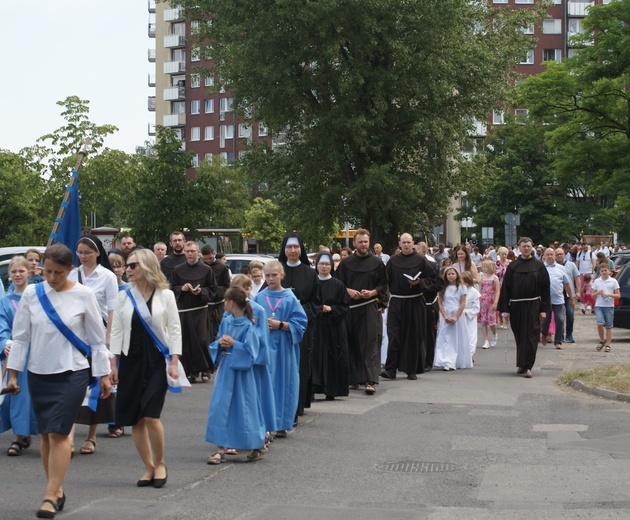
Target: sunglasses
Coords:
[[132, 265]]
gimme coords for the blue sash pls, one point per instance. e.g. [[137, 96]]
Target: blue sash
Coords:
[[158, 342], [76, 341]]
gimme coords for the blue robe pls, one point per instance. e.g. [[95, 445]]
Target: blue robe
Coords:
[[235, 418], [284, 352], [261, 368], [16, 412]]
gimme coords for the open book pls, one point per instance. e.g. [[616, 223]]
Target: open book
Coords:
[[413, 278]]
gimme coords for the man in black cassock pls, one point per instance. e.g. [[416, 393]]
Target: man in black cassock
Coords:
[[525, 296], [177, 256], [430, 299], [301, 278], [365, 278], [222, 278], [194, 286], [409, 275]]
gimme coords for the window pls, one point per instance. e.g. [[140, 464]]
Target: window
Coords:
[[178, 54], [499, 1], [195, 81], [225, 104], [179, 107], [528, 29], [227, 131], [208, 133], [207, 157], [195, 106], [552, 26], [228, 157], [195, 133], [552, 54], [523, 1], [244, 130], [178, 28], [195, 54], [194, 26], [209, 81], [529, 59], [521, 114], [497, 117], [262, 130], [209, 106], [575, 26], [194, 162]]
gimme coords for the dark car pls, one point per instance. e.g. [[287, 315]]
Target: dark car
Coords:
[[619, 259], [622, 309]]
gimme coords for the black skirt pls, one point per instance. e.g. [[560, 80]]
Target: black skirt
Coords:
[[56, 399], [142, 381]]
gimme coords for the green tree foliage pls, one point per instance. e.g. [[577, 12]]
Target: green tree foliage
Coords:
[[262, 224], [370, 98], [165, 198], [21, 190], [584, 104]]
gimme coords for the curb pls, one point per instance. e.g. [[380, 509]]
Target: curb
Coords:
[[600, 392]]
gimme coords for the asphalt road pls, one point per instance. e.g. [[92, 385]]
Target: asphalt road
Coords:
[[472, 444]]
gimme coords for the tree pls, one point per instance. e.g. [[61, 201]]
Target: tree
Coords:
[[371, 98], [263, 225], [165, 198], [22, 216], [585, 104]]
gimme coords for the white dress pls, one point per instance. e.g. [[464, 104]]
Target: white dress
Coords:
[[452, 347], [473, 307]]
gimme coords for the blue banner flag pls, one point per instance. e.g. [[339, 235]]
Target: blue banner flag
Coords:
[[69, 228]]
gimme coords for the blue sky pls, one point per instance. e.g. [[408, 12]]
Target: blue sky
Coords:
[[96, 50]]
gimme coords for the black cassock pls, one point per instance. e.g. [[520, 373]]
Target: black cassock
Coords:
[[525, 294], [222, 278], [194, 315], [407, 315], [302, 280], [330, 354], [365, 322], [433, 314], [169, 263]]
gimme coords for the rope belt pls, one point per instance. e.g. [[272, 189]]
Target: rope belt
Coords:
[[526, 299], [405, 295], [216, 303], [193, 309], [373, 300], [431, 303]]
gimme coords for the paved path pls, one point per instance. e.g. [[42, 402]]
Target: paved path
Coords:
[[475, 444]]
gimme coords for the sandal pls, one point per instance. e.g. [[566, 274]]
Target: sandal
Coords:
[[115, 431], [253, 456], [217, 458], [86, 449], [354, 387], [231, 451], [281, 434], [369, 389], [205, 377], [192, 379], [15, 450], [607, 348], [600, 345]]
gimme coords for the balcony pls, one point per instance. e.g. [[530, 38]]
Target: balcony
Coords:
[[151, 104], [151, 80], [172, 120], [151, 55], [151, 129], [174, 93], [173, 15], [152, 6], [174, 40], [578, 8], [151, 30], [174, 67]]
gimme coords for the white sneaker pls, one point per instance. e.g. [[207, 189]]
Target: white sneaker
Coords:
[[493, 341], [486, 344]]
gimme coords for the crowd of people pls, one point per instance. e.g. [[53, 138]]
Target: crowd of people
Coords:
[[102, 343]]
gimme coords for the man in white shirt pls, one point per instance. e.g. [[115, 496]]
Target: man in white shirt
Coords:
[[558, 281], [378, 251], [476, 257], [576, 286], [585, 261]]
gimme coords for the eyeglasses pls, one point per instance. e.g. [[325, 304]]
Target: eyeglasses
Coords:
[[326, 264], [190, 251], [85, 253], [132, 265]]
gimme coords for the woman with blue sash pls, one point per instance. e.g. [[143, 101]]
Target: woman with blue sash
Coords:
[[16, 412], [146, 331], [59, 327]]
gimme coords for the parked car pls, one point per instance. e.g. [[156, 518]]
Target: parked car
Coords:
[[622, 305], [6, 253], [236, 261], [619, 259]]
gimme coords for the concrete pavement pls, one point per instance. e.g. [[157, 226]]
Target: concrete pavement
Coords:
[[471, 444]]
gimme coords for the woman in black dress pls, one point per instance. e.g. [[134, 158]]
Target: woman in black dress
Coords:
[[141, 375]]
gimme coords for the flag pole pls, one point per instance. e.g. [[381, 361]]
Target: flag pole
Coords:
[[66, 196]]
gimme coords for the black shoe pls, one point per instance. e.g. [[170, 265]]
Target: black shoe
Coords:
[[330, 398], [44, 513], [428, 369], [413, 377], [388, 374], [144, 483], [61, 501], [159, 482]]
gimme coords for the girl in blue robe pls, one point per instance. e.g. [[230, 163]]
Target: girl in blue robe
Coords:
[[287, 322], [235, 418], [16, 412]]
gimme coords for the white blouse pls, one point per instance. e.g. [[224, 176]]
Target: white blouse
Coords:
[[50, 351], [104, 285]]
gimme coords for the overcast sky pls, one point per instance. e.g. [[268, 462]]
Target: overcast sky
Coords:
[[93, 49]]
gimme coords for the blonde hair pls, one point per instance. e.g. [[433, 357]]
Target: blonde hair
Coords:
[[489, 265], [274, 265], [241, 280], [467, 278], [116, 259], [255, 264], [150, 268], [21, 260], [503, 249]]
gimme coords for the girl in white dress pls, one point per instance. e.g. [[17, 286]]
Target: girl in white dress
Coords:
[[471, 311], [452, 347]]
